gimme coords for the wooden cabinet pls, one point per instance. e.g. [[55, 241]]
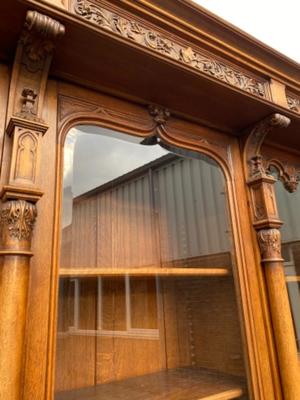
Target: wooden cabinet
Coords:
[[147, 304], [148, 249]]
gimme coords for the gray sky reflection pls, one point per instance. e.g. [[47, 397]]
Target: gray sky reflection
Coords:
[[94, 156]]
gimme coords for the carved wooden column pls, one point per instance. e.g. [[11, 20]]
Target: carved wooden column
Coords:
[[25, 129], [267, 223]]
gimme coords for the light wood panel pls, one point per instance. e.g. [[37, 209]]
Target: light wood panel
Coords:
[[177, 384], [92, 272]]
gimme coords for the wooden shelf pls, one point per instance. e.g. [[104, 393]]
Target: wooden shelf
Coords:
[[292, 278], [93, 272], [176, 384]]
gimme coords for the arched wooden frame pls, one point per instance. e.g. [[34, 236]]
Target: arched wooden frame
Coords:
[[288, 175], [219, 152]]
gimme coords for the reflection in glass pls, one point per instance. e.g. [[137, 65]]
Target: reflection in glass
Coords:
[[146, 297], [288, 207]]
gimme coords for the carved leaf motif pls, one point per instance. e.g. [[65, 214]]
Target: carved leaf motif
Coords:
[[159, 114], [293, 103], [270, 243], [19, 217], [148, 38]]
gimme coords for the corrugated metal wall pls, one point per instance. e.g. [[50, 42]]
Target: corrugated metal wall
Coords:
[[172, 211], [289, 212]]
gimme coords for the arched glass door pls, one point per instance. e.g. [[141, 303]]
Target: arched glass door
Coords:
[[147, 306]]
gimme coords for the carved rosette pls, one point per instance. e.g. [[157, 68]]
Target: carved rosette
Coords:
[[269, 241], [160, 43], [18, 218]]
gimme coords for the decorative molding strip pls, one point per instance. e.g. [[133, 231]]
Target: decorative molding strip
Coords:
[[70, 107], [19, 216], [143, 36], [293, 103]]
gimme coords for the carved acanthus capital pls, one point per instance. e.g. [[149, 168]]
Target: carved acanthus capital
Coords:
[[18, 218], [269, 241]]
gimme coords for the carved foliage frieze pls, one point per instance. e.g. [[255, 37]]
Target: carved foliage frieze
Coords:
[[18, 218], [140, 34], [269, 241]]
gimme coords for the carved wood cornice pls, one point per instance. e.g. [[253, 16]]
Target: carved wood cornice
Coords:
[[164, 44]]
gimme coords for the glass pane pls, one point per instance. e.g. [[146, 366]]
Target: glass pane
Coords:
[[147, 306], [288, 207]]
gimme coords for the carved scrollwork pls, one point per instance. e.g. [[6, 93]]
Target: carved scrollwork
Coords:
[[19, 216], [38, 38], [269, 241], [31, 66], [135, 32], [255, 138]]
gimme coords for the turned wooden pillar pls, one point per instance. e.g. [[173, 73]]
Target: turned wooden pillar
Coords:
[[267, 225], [17, 220], [24, 130]]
